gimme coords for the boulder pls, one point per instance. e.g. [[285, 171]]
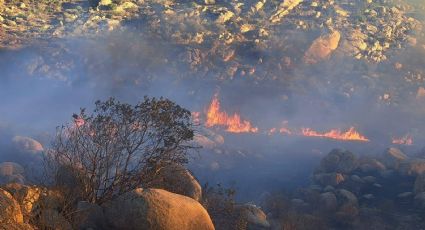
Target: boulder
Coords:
[[331, 179], [10, 211], [90, 216], [419, 186], [368, 165], [420, 200], [52, 219], [369, 179], [338, 161], [27, 144], [348, 207], [11, 172], [156, 209], [10, 168], [253, 215], [27, 196], [322, 47], [177, 179], [346, 197], [328, 201], [412, 167], [393, 157]]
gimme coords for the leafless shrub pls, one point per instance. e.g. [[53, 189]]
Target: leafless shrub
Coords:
[[117, 148]]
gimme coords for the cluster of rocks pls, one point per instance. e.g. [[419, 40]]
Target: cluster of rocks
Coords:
[[179, 206], [348, 187]]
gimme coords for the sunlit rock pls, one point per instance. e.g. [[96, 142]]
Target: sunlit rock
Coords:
[[322, 47], [27, 197], [27, 144], [10, 211], [392, 158], [156, 209]]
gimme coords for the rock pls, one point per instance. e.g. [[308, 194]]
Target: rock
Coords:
[[348, 205], [11, 173], [177, 179], [412, 167], [156, 209], [328, 201], [405, 195], [90, 216], [338, 161], [420, 200], [27, 196], [209, 2], [369, 179], [419, 186], [16, 226], [368, 196], [105, 2], [392, 158], [224, 17], [322, 47], [253, 215], [346, 197], [328, 188], [27, 144], [331, 179], [10, 211], [299, 204], [10, 168], [52, 219], [356, 179], [371, 165], [284, 9]]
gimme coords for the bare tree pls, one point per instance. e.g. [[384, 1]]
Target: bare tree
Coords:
[[118, 147]]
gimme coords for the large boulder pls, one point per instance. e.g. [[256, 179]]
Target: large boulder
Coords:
[[11, 172], [177, 179], [156, 209], [348, 206], [346, 197], [252, 215], [393, 157], [328, 201], [52, 219], [27, 144], [370, 165], [10, 211], [27, 196], [339, 161], [90, 216], [322, 47]]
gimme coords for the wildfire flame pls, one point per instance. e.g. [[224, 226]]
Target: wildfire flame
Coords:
[[350, 135], [406, 140], [233, 123]]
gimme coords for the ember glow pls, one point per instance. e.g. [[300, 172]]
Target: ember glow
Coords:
[[233, 123], [405, 140], [350, 135]]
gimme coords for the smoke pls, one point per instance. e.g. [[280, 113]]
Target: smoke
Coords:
[[42, 85]]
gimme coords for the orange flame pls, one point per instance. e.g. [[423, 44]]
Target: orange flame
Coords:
[[233, 123], [406, 140], [285, 131], [350, 135]]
